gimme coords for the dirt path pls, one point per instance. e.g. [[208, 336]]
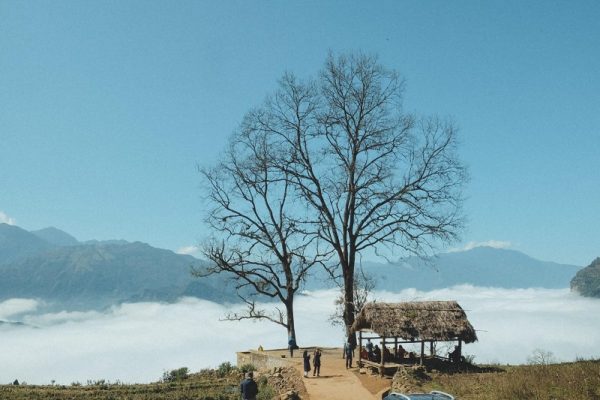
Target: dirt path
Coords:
[[336, 382]]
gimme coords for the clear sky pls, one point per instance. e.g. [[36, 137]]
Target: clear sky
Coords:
[[107, 107]]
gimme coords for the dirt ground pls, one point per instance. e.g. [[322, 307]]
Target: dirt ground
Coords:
[[335, 381]]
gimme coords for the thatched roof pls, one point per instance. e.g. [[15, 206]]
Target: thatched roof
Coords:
[[419, 320]]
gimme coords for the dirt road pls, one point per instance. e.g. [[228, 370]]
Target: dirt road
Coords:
[[336, 382]]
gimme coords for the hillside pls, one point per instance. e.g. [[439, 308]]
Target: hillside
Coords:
[[56, 237], [17, 243], [97, 274], [587, 281]]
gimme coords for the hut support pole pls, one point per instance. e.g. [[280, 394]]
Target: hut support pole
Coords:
[[422, 351], [359, 349], [460, 347], [382, 356], [395, 346], [431, 348]]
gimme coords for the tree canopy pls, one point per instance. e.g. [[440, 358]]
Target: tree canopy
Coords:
[[366, 178]]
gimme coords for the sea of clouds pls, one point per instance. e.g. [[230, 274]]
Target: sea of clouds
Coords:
[[138, 342]]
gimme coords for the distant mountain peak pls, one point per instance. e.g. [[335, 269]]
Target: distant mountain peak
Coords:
[[56, 236], [16, 243]]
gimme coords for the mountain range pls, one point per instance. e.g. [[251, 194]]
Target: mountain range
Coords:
[[480, 266], [53, 266]]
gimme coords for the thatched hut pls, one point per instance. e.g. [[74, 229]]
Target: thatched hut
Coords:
[[414, 322]]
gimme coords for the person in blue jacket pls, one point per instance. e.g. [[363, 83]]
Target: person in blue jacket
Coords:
[[292, 346], [348, 352], [248, 387]]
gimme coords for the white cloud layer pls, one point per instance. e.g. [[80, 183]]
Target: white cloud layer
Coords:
[[138, 342], [188, 250], [497, 244], [5, 219], [14, 307]]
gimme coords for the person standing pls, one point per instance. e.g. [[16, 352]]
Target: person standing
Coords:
[[369, 347], [317, 362], [348, 350], [377, 353], [401, 353], [306, 358], [248, 387], [292, 346]]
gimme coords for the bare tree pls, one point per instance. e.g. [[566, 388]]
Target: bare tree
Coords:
[[377, 180], [368, 178], [258, 238]]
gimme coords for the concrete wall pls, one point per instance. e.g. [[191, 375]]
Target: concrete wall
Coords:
[[261, 359]]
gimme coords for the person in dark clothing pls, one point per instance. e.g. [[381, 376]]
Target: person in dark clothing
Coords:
[[317, 362], [306, 358], [377, 354], [401, 353], [292, 346], [248, 387], [349, 353], [455, 355]]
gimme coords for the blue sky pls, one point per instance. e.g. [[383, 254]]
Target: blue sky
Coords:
[[106, 108]]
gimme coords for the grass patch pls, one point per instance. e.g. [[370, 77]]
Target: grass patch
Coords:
[[575, 381], [206, 385]]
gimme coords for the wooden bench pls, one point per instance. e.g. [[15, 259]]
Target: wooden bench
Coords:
[[387, 366]]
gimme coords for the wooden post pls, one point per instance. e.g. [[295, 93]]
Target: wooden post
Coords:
[[422, 351], [359, 349], [395, 346], [459, 349], [382, 356], [431, 348]]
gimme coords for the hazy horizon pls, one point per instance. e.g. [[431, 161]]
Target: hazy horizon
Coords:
[[137, 342]]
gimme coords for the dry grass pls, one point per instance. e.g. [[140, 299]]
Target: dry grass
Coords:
[[574, 381], [203, 386]]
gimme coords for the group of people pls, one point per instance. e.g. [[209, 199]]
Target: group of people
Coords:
[[316, 356], [316, 362], [249, 388], [375, 353]]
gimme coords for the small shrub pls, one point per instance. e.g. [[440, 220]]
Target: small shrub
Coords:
[[469, 358], [247, 368], [225, 369], [541, 357], [266, 392], [262, 381], [175, 375]]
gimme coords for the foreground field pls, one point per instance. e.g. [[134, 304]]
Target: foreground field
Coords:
[[573, 381], [206, 385]]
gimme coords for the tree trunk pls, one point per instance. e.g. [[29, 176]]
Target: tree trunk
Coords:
[[349, 301], [291, 327]]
